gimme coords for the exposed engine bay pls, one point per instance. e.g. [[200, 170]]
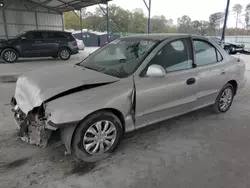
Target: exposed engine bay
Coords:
[[32, 127]]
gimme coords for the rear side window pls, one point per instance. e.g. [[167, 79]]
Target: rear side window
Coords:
[[206, 53], [56, 35], [219, 56]]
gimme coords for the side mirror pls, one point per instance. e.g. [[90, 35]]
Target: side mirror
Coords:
[[156, 71], [23, 38]]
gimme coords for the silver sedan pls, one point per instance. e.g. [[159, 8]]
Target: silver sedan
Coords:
[[128, 84]]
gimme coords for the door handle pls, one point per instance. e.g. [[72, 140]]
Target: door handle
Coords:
[[38, 42], [191, 81], [223, 71]]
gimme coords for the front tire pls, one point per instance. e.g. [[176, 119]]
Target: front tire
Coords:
[[97, 136], [64, 53], [225, 99], [9, 55]]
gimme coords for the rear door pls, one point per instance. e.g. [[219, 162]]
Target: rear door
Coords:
[[211, 70], [56, 39], [173, 94], [49, 44]]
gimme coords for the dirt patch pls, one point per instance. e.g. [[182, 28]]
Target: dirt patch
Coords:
[[15, 164], [80, 168]]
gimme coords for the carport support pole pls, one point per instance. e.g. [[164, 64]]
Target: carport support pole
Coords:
[[225, 24], [149, 16], [148, 6], [107, 15], [36, 20], [5, 24], [81, 23]]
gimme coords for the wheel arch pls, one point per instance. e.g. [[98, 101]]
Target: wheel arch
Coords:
[[12, 48], [235, 85], [68, 132], [64, 47]]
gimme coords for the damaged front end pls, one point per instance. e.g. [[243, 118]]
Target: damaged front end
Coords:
[[32, 126]]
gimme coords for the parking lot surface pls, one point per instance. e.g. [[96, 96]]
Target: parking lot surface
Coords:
[[196, 150], [29, 64]]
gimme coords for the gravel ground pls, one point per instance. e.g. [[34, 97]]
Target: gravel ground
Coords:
[[196, 150]]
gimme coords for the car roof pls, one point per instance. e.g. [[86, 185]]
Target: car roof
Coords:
[[49, 31], [158, 36]]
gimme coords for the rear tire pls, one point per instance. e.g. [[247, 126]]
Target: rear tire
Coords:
[[9, 55], [91, 144], [224, 100], [64, 53]]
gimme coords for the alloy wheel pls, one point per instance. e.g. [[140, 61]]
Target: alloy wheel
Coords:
[[226, 99], [10, 56], [99, 137], [64, 54]]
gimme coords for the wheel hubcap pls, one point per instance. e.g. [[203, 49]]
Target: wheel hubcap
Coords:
[[10, 56], [226, 99], [99, 137], [64, 54]]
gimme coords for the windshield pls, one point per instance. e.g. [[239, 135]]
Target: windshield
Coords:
[[20, 34], [120, 58]]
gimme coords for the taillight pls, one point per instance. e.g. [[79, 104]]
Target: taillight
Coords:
[[75, 42]]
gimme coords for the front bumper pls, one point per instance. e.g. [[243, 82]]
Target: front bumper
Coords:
[[32, 128]]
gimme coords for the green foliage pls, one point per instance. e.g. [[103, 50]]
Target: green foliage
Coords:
[[127, 22]]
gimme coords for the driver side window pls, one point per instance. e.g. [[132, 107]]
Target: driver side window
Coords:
[[175, 56]]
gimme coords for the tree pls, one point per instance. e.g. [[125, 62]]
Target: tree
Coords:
[[72, 20], [215, 20], [159, 24], [196, 26], [125, 21], [200, 27], [247, 16], [237, 9], [138, 21], [184, 24]]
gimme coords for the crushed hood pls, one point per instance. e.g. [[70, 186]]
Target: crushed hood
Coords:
[[35, 87]]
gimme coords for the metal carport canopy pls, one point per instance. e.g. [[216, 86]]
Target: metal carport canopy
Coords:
[[59, 6]]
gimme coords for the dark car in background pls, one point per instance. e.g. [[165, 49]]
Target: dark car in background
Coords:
[[39, 43], [231, 48]]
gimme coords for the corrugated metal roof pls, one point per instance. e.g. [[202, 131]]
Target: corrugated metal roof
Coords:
[[58, 5]]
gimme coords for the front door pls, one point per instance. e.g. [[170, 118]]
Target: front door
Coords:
[[175, 93], [30, 44], [211, 72]]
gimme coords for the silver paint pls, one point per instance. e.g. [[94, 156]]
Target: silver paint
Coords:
[[155, 99]]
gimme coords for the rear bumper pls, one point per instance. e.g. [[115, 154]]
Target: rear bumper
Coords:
[[239, 49], [74, 51]]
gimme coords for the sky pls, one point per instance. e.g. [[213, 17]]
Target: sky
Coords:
[[195, 9]]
